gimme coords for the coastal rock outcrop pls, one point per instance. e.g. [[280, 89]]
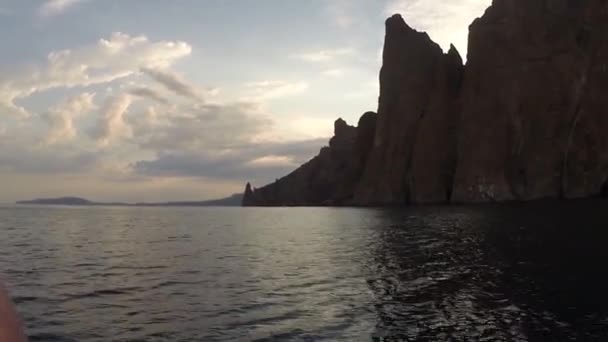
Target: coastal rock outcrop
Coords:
[[525, 119], [327, 179], [413, 152]]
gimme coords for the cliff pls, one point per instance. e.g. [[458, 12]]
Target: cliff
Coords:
[[533, 118], [413, 152], [329, 178], [523, 120]]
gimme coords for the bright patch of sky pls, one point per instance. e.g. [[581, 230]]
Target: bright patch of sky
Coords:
[[150, 100]]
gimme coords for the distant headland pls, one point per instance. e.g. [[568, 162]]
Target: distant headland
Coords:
[[525, 119], [232, 201]]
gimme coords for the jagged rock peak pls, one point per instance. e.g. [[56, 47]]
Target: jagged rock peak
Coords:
[[397, 29], [340, 126], [396, 21], [344, 134], [453, 52]]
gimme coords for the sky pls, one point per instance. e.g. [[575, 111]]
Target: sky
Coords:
[[161, 100]]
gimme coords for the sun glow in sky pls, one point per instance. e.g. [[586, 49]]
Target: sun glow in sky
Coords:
[[150, 100]]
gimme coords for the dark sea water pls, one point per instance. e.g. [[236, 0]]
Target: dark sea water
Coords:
[[490, 273]]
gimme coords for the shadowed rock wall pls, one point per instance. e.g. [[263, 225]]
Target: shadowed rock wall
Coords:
[[525, 119]]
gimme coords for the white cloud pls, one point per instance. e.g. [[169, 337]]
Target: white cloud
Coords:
[[267, 90], [324, 55], [119, 56], [55, 7], [61, 118], [446, 22], [112, 125]]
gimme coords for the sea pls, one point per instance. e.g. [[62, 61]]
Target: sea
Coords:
[[512, 272]]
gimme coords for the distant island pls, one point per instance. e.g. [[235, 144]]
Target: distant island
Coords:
[[524, 119], [232, 201]]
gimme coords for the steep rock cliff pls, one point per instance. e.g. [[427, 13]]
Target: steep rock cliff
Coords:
[[534, 116], [413, 154], [525, 119]]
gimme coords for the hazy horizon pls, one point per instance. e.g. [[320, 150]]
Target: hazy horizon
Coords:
[[151, 101]]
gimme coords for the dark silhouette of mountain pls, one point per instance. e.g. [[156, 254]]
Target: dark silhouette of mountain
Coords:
[[524, 119], [234, 200]]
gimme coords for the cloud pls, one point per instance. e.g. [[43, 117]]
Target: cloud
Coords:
[[216, 141], [175, 83], [149, 93], [298, 151], [201, 127], [40, 161], [21, 150], [117, 57], [324, 55], [121, 92], [19, 157], [112, 125], [61, 118], [55, 7], [267, 90], [261, 163], [446, 22]]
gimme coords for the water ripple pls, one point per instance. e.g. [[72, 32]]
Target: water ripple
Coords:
[[489, 273]]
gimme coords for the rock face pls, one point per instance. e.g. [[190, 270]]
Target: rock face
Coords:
[[329, 178], [533, 116], [525, 118], [414, 145]]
